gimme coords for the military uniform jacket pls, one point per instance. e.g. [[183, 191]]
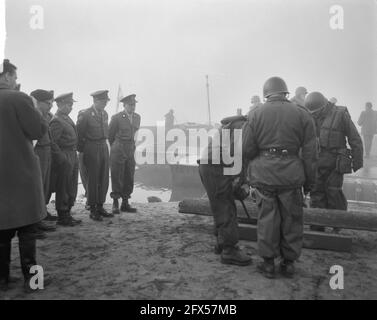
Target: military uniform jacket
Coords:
[[280, 124], [122, 128], [220, 148], [45, 141], [21, 191], [63, 131], [92, 125], [335, 129]]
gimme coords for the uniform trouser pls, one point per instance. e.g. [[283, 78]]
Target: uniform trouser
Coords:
[[44, 155], [368, 140], [122, 161], [280, 223], [327, 191], [66, 181], [220, 193], [83, 173], [27, 248], [96, 161]]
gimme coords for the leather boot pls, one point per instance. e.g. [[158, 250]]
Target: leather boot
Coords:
[[115, 209], [50, 217], [267, 268], [287, 268], [125, 207], [102, 212], [234, 255], [65, 219], [94, 215], [5, 249], [71, 218]]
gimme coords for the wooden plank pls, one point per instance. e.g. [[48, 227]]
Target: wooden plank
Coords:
[[312, 240], [357, 219]]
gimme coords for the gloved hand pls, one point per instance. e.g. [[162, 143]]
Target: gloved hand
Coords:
[[241, 192]]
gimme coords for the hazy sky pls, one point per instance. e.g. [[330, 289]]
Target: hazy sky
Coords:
[[161, 50]]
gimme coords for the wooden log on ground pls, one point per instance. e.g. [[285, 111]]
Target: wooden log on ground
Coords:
[[356, 220], [312, 240]]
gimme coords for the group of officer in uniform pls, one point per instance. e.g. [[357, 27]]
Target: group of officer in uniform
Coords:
[[290, 148], [57, 152], [31, 172]]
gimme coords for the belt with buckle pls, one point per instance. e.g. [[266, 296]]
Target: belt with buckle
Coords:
[[278, 152]]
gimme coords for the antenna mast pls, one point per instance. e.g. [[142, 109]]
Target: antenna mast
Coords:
[[209, 106]]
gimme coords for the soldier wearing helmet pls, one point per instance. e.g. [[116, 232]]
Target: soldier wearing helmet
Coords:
[[334, 129], [299, 98], [279, 139]]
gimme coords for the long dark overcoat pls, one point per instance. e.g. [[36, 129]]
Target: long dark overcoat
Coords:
[[21, 189]]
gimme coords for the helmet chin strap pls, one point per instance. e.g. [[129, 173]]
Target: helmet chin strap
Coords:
[[317, 111]]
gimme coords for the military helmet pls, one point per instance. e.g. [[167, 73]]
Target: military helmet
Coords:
[[315, 101], [274, 85]]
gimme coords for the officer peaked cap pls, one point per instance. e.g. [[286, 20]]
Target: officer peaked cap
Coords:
[[42, 95], [65, 97], [101, 95], [129, 99]]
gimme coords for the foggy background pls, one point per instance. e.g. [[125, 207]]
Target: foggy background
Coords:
[[161, 50]]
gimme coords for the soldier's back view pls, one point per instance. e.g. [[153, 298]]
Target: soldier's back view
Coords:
[[279, 140], [335, 129]]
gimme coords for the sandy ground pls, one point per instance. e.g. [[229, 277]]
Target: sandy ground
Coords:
[[159, 253]]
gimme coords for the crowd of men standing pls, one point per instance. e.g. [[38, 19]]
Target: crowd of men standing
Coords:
[[289, 149], [41, 153]]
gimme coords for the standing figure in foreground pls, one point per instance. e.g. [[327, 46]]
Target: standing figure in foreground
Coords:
[[22, 201], [65, 161], [368, 123], [334, 129], [92, 129], [122, 130], [221, 189], [279, 140]]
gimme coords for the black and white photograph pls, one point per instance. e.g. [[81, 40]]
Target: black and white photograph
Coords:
[[190, 155]]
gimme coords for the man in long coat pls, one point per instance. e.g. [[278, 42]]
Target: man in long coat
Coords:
[[22, 202]]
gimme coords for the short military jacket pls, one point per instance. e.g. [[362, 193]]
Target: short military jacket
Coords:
[[45, 141], [63, 131], [123, 127], [92, 125]]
